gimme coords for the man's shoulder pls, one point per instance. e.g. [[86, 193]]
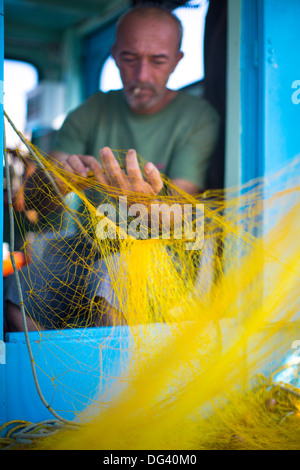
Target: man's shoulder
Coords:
[[193, 101], [195, 106]]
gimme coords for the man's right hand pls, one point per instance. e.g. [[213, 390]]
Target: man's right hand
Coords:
[[76, 169]]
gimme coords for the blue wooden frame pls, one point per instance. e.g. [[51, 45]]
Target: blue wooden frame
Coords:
[[97, 48], [2, 344], [268, 138], [270, 120], [73, 368], [252, 86], [282, 116]]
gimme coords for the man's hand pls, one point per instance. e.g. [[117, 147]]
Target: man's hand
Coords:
[[132, 181], [81, 165], [109, 173], [77, 168]]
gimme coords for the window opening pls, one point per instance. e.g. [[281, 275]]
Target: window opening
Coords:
[[19, 78]]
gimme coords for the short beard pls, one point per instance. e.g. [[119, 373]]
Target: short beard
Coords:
[[134, 103]]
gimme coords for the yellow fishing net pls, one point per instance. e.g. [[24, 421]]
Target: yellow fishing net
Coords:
[[209, 305]]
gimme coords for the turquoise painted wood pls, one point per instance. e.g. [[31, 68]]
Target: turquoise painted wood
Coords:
[[73, 367], [97, 49], [1, 140], [2, 345], [270, 84], [282, 74], [252, 82]]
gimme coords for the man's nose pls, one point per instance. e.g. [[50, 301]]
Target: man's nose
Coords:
[[143, 71]]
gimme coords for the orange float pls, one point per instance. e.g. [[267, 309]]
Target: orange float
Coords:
[[7, 264]]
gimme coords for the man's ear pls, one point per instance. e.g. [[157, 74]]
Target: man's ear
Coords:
[[178, 59], [113, 51], [180, 56]]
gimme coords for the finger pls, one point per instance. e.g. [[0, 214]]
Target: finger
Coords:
[[76, 164], [70, 178], [153, 177], [95, 167], [134, 173], [72, 175], [68, 168], [62, 182], [112, 170], [100, 177]]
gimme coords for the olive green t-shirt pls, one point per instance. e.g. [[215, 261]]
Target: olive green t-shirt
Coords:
[[179, 139]]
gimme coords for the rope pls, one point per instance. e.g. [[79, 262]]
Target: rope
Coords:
[[24, 433], [12, 244]]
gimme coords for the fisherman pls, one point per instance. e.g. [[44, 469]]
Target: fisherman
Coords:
[[173, 131]]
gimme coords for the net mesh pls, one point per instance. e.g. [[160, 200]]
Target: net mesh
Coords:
[[205, 311]]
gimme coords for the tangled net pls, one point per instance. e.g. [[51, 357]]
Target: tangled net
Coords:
[[207, 356]]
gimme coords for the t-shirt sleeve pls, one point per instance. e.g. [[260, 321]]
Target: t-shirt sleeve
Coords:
[[192, 153], [74, 135]]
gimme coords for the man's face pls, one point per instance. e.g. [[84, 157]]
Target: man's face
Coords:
[[146, 53]]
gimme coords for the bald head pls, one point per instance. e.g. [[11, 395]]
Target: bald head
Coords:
[[151, 13]]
